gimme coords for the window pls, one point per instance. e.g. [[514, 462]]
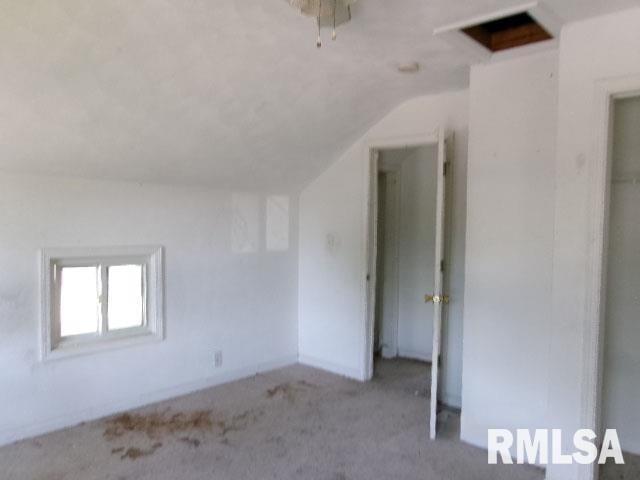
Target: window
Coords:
[[99, 298]]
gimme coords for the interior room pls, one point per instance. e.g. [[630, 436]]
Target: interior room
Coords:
[[319, 239]]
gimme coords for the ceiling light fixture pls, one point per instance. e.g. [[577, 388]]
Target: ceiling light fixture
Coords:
[[326, 12]]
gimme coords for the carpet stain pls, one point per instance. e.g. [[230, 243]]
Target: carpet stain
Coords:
[[304, 383], [181, 425], [240, 422], [155, 425], [192, 442], [289, 391], [136, 453]]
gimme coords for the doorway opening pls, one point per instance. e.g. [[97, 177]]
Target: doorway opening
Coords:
[[405, 253], [600, 187], [406, 297], [620, 358]]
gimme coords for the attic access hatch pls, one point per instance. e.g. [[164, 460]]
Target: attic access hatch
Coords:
[[508, 32], [484, 36]]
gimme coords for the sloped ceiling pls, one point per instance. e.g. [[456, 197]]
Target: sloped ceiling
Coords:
[[227, 93]]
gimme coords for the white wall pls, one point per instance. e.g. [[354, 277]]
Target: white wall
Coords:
[[223, 291], [332, 245], [621, 379], [509, 245], [592, 50], [418, 183]]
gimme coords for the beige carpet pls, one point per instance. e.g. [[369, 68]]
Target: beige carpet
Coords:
[[293, 423]]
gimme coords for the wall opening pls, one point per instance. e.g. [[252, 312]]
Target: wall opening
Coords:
[[508, 32], [407, 200], [621, 322]]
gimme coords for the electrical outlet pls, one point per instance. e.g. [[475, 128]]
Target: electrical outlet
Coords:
[[217, 359]]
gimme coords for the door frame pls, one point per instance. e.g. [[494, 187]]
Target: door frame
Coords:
[[370, 228], [606, 92]]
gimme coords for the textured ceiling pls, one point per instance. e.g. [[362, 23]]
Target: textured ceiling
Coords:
[[226, 93]]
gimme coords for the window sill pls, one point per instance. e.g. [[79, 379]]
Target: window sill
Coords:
[[71, 350]]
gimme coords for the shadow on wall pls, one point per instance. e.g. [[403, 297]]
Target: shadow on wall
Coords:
[[247, 229]]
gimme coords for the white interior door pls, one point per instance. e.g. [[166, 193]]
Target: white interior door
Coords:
[[438, 297]]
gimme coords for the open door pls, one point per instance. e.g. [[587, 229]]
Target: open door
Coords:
[[438, 298]]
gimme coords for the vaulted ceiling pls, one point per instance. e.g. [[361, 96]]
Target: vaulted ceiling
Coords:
[[228, 93]]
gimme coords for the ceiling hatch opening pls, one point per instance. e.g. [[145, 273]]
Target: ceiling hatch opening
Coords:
[[508, 32]]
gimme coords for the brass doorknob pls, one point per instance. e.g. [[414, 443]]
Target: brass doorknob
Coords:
[[436, 299]]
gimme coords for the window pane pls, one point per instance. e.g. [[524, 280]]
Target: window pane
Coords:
[[79, 305], [125, 297]]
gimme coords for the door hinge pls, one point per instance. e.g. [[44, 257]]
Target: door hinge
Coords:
[[445, 168], [442, 266]]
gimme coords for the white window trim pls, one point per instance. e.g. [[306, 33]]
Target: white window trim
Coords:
[[152, 331]]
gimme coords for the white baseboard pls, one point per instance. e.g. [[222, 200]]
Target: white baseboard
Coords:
[[388, 352], [422, 356], [321, 364], [481, 444], [13, 435], [454, 401]]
